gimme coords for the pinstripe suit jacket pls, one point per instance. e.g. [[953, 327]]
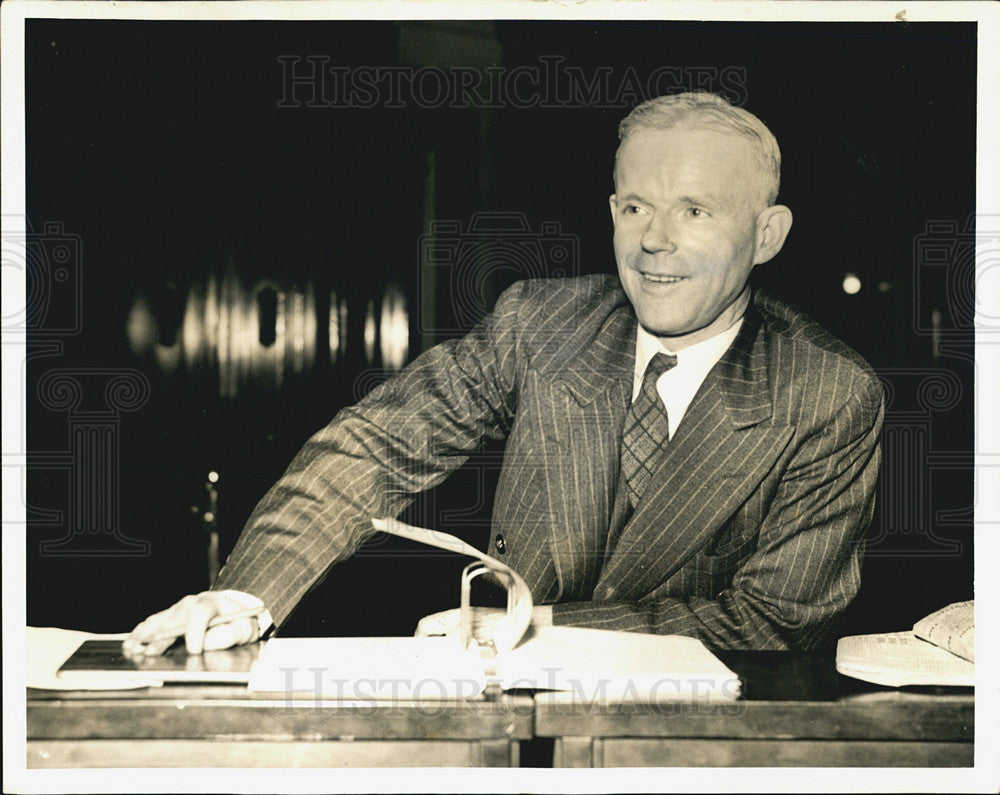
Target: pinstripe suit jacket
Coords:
[[748, 535]]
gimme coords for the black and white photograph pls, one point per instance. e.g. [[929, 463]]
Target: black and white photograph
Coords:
[[515, 397]]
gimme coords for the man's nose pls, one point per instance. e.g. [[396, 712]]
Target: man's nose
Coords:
[[658, 236]]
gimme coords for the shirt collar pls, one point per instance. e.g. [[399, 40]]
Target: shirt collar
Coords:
[[698, 358]]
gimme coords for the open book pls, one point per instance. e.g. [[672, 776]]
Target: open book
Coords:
[[939, 651], [588, 663]]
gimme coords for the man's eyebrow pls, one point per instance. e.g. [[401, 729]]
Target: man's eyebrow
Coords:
[[632, 197], [705, 199]]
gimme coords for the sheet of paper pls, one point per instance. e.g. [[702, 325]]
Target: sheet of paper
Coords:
[[510, 629], [595, 664], [896, 659], [49, 647], [366, 669], [952, 628]]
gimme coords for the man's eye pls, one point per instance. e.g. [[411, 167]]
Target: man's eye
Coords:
[[632, 209], [697, 212]]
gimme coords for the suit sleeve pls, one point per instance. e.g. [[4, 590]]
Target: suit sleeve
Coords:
[[406, 436], [806, 567]]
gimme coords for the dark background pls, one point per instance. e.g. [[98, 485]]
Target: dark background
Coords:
[[163, 147]]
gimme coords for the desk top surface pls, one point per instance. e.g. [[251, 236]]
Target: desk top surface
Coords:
[[785, 695], [813, 677], [766, 676]]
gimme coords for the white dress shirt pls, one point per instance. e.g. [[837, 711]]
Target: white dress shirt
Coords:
[[678, 385]]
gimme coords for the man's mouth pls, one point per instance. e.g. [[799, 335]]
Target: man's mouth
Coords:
[[660, 278]]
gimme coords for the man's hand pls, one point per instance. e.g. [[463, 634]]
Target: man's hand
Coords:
[[189, 618], [449, 623], [484, 621]]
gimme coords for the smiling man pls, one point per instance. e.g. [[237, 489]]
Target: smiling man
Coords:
[[693, 213], [684, 454]]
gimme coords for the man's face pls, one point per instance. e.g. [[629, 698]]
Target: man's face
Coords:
[[685, 218]]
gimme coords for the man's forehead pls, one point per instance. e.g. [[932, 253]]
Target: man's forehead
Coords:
[[655, 158], [717, 162]]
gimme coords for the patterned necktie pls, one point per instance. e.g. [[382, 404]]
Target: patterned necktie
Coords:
[[646, 429]]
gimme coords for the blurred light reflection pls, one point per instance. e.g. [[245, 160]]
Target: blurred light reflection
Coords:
[[370, 334], [259, 336], [395, 328]]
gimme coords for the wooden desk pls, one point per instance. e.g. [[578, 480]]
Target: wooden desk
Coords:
[[225, 726], [795, 710]]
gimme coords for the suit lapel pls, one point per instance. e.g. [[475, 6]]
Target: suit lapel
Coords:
[[582, 403], [722, 450]]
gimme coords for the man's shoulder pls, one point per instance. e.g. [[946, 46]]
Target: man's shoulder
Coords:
[[593, 290], [813, 349], [544, 303]]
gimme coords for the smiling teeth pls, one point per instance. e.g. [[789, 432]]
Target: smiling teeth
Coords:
[[662, 279]]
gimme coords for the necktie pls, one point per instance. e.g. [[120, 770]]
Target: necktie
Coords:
[[646, 429]]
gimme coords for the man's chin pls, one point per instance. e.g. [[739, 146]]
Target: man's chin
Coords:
[[663, 331], [660, 325], [674, 337]]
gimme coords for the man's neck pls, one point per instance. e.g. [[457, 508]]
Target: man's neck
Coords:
[[729, 317]]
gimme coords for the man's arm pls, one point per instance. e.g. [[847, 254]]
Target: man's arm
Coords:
[[806, 568], [406, 436]]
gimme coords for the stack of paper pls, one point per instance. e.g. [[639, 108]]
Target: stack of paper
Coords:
[[939, 651], [897, 659], [587, 664], [952, 628], [594, 664], [364, 669]]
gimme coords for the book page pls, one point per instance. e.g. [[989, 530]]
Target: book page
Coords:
[[509, 631], [367, 669], [897, 659], [952, 628]]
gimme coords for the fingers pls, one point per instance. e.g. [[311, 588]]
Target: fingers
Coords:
[[204, 608], [144, 638], [199, 637], [232, 633], [132, 643], [190, 619], [447, 622], [156, 648]]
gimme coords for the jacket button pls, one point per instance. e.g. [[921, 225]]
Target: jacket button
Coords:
[[500, 544]]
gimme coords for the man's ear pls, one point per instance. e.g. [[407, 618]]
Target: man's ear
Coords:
[[613, 202], [773, 224]]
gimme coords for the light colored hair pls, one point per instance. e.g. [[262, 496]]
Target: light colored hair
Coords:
[[702, 109]]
